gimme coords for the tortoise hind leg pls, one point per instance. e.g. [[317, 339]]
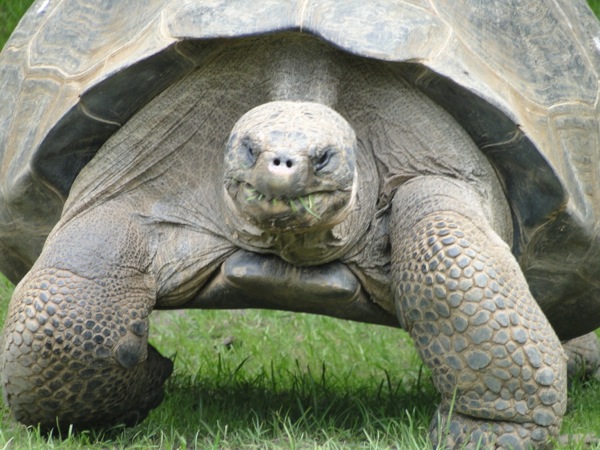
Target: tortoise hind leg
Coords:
[[75, 345], [584, 357], [461, 295]]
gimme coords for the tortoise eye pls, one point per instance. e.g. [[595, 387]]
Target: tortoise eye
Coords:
[[248, 152], [323, 160]]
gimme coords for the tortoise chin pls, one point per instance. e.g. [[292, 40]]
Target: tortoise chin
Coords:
[[306, 211]]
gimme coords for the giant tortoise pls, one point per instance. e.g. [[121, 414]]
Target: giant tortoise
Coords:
[[431, 165]]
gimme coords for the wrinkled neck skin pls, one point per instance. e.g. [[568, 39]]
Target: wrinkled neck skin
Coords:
[[303, 246]]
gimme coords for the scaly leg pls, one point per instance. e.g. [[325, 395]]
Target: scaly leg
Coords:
[[75, 345], [461, 295], [584, 356]]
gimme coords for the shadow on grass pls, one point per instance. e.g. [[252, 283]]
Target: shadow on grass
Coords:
[[306, 405], [231, 412]]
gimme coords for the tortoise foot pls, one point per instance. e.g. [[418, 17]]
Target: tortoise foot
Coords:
[[457, 431], [71, 357]]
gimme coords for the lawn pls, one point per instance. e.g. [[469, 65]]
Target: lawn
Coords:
[[263, 379]]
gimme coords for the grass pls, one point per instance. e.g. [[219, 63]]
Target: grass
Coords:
[[264, 379], [10, 13]]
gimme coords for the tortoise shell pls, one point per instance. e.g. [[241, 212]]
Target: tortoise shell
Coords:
[[521, 77]]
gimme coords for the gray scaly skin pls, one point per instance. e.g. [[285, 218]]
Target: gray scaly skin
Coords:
[[153, 222], [461, 295], [584, 357]]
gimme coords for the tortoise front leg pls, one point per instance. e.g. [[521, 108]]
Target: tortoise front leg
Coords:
[[76, 336], [461, 295]]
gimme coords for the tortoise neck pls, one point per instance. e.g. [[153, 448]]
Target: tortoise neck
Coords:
[[304, 69]]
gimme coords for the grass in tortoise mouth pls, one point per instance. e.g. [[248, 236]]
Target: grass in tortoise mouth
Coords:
[[306, 201]]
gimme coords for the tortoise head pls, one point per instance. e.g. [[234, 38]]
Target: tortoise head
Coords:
[[291, 166]]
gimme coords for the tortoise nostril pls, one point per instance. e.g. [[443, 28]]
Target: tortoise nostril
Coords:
[[287, 162]]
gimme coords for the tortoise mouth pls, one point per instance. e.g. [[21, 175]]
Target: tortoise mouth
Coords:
[[308, 210]]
